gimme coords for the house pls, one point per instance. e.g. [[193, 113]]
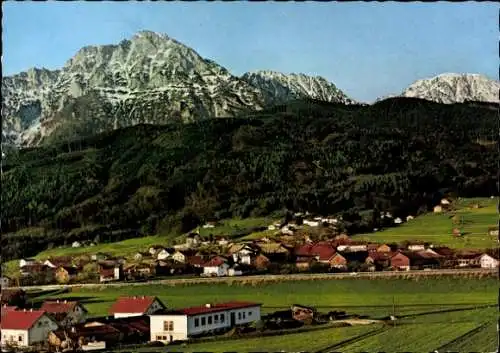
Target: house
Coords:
[[99, 256], [261, 262], [76, 244], [59, 262], [83, 338], [182, 255], [493, 231], [303, 313], [234, 271], [353, 246], [141, 270], [339, 262], [424, 259], [65, 312], [467, 259], [135, 306], [242, 253], [409, 218], [37, 273], [221, 240], [398, 220], [192, 240], [217, 266], [489, 260], [379, 260], [400, 262], [311, 223], [5, 281], [23, 328], [14, 297], [182, 324], [196, 261], [445, 202], [209, 225], [154, 249], [322, 252], [27, 262], [438, 209], [65, 274], [383, 248], [416, 246], [164, 254], [141, 255], [274, 251], [110, 273]]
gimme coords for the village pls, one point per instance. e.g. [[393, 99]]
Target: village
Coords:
[[298, 245]]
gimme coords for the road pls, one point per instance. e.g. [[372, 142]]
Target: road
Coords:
[[275, 278]]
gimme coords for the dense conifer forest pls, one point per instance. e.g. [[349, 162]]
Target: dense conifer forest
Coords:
[[398, 155]]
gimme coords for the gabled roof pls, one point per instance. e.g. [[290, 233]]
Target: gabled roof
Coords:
[[215, 262], [195, 260], [380, 256], [60, 306], [212, 308], [20, 319], [132, 305], [272, 248], [322, 250]]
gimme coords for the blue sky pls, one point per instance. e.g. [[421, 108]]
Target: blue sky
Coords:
[[368, 50]]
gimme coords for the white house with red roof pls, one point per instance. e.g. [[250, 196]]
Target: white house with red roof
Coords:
[[23, 328], [135, 306], [181, 324], [65, 312], [217, 266]]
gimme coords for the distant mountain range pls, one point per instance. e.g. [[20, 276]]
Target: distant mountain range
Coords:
[[154, 79]]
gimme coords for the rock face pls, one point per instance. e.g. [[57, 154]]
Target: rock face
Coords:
[[455, 88], [279, 87], [150, 78]]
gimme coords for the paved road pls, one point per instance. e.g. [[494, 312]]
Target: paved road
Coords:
[[271, 278]]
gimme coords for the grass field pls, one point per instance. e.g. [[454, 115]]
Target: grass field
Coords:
[[454, 331], [360, 296], [437, 227]]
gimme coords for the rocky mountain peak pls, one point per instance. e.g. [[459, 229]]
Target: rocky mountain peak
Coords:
[[455, 88]]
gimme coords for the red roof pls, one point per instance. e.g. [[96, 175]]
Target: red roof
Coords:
[[55, 307], [204, 309], [132, 305], [20, 320], [195, 260], [215, 262], [380, 256], [324, 251]]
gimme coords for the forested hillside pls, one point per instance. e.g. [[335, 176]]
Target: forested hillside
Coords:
[[396, 155]]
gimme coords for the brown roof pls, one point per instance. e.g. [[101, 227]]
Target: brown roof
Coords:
[[132, 305]]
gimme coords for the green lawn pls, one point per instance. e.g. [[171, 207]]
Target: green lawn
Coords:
[[234, 227], [360, 296], [423, 334], [437, 227]]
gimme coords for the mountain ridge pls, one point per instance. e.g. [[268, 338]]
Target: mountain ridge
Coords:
[[149, 78]]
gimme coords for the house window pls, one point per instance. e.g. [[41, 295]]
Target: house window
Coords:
[[249, 313], [222, 318], [210, 320], [216, 319], [20, 338], [196, 322], [244, 315], [168, 325], [203, 322], [239, 316]]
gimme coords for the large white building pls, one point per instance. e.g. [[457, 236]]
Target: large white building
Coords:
[[23, 328], [179, 325], [135, 306], [488, 261]]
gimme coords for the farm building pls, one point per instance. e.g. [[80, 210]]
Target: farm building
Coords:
[[399, 261], [217, 266], [112, 272], [181, 324], [489, 260], [65, 312], [135, 306], [23, 328], [379, 260], [438, 209]]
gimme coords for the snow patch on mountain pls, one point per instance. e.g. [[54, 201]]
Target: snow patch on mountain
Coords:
[[455, 88]]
